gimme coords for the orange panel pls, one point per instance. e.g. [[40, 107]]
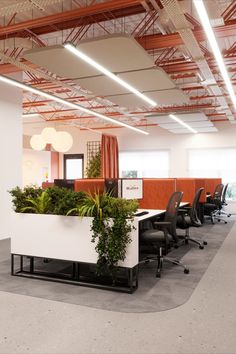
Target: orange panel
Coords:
[[89, 185], [47, 185], [54, 165], [211, 183], [188, 187], [156, 193]]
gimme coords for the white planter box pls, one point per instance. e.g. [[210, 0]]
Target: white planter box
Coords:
[[61, 237]]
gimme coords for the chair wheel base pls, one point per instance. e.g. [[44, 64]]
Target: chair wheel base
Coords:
[[201, 247], [205, 243], [186, 271]]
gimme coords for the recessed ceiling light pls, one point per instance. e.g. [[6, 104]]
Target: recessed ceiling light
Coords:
[[172, 116], [108, 73], [202, 13], [29, 88]]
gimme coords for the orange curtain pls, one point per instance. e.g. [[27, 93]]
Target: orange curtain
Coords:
[[110, 156]]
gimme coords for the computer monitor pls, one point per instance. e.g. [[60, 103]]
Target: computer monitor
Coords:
[[64, 183], [112, 186], [132, 188]]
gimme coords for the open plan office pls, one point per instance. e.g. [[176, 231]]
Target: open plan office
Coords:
[[118, 177]]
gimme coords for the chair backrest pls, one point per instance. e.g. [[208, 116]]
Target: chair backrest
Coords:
[[194, 210], [218, 191], [223, 199], [217, 197], [172, 213]]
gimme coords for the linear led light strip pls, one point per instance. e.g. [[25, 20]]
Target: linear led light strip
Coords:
[[202, 13], [108, 73], [172, 116], [66, 103]]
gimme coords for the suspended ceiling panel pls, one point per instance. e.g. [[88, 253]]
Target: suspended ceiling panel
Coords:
[[169, 97], [60, 61], [199, 130], [162, 98], [196, 125], [116, 53], [101, 86], [148, 80], [186, 117]]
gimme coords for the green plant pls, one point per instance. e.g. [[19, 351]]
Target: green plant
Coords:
[[111, 227], [38, 205], [93, 169], [63, 200], [20, 197]]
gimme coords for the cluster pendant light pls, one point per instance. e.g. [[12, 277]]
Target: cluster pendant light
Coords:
[[61, 141]]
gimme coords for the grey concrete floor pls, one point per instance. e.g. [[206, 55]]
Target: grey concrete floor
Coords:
[[206, 323]]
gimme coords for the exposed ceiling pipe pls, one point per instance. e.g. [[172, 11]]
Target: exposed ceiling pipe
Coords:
[[178, 19]]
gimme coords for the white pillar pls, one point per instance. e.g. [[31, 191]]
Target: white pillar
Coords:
[[10, 149]]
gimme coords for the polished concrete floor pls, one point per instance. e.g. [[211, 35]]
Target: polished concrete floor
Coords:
[[206, 323]]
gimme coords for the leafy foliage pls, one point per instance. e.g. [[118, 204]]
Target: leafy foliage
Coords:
[[20, 197], [55, 200], [63, 200], [93, 169], [38, 205], [111, 228]]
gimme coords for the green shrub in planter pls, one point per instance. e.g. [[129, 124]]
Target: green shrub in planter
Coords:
[[20, 197]]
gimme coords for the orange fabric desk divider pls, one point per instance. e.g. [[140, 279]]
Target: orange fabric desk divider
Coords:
[[156, 192], [90, 185], [190, 185]]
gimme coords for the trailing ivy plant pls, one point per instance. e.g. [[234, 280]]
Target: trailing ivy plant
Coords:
[[111, 227], [93, 169]]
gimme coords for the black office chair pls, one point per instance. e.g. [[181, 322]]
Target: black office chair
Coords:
[[214, 206], [188, 217], [163, 235], [221, 212]]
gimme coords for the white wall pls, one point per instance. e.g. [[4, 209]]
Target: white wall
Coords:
[[10, 149], [178, 145], [36, 167]]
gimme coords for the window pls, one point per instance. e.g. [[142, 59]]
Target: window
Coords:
[[73, 166], [138, 164], [214, 163]]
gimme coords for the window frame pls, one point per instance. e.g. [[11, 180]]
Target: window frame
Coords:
[[71, 157]]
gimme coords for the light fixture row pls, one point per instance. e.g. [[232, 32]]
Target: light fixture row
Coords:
[[75, 106], [61, 141], [204, 18]]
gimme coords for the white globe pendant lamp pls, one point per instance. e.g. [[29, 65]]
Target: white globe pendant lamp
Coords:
[[63, 142], [37, 142], [49, 135]]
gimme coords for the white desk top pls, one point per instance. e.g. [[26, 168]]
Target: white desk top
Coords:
[[154, 212], [151, 213]]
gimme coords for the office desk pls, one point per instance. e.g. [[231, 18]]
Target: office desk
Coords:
[[151, 214]]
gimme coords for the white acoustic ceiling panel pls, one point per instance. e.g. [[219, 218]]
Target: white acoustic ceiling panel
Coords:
[[199, 130], [129, 101], [148, 79], [173, 125], [60, 61], [101, 86], [116, 53], [185, 117], [162, 98], [168, 97], [180, 131]]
